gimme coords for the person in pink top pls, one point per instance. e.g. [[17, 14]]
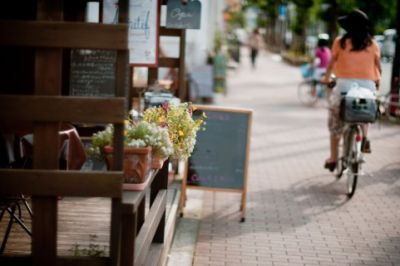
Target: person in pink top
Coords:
[[321, 60], [323, 53], [355, 59]]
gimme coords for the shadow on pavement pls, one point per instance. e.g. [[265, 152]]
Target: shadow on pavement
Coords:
[[387, 175], [273, 210]]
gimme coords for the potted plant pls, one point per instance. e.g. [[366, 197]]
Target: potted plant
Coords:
[[141, 140], [181, 126], [158, 138]]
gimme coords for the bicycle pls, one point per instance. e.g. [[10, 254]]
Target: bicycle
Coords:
[[310, 90], [351, 156]]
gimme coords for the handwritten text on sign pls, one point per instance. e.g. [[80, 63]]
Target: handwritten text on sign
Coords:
[[183, 16], [220, 156], [92, 72], [143, 39]]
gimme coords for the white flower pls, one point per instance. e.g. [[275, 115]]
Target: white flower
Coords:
[[136, 143]]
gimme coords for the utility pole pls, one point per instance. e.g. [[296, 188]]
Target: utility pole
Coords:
[[395, 81]]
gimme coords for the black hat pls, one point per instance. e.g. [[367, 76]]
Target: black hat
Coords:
[[355, 20]]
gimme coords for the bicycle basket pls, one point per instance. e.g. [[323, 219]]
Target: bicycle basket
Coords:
[[359, 106], [306, 70]]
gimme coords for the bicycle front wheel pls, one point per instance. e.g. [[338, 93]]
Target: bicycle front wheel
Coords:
[[307, 93]]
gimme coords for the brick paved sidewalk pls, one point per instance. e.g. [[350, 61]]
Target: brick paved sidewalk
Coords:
[[297, 213]]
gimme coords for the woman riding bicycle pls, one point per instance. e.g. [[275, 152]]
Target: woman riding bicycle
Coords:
[[355, 59]]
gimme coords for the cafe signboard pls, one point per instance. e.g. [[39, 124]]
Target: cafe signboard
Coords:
[[183, 14], [143, 36], [220, 159]]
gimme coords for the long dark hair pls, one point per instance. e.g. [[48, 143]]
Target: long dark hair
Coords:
[[360, 39], [358, 28]]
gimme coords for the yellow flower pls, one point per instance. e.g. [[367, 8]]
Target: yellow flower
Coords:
[[181, 126]]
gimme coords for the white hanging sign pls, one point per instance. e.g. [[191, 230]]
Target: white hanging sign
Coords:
[[143, 36]]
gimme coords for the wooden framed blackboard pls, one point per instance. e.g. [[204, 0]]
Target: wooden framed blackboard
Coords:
[[220, 158], [92, 72]]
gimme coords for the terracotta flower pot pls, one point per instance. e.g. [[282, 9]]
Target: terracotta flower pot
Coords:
[[157, 162], [136, 165]]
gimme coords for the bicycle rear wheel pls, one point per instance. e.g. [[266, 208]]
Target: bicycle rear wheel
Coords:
[[353, 163], [352, 177], [340, 167], [340, 162], [307, 93]]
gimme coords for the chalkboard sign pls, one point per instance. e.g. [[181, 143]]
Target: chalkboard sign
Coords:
[[220, 157], [92, 72], [183, 16], [219, 160]]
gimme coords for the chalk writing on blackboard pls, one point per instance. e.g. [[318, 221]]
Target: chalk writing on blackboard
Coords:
[[219, 161], [92, 72], [220, 156]]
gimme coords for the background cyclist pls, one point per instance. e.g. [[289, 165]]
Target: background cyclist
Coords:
[[322, 58], [355, 58]]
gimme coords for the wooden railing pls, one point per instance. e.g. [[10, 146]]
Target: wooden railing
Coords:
[[134, 235], [139, 232]]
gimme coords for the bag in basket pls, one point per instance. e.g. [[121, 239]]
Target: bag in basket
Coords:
[[359, 106]]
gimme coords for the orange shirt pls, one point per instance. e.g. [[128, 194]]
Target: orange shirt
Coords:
[[356, 64]]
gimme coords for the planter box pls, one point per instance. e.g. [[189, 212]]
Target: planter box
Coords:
[[136, 165], [157, 162]]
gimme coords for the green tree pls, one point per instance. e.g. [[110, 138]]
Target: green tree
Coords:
[[236, 20], [269, 10], [381, 13], [300, 24]]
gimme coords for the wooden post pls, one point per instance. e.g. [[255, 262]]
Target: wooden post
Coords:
[[160, 182], [121, 89], [129, 222], [141, 212], [183, 95], [152, 75], [183, 197], [48, 69], [395, 80]]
